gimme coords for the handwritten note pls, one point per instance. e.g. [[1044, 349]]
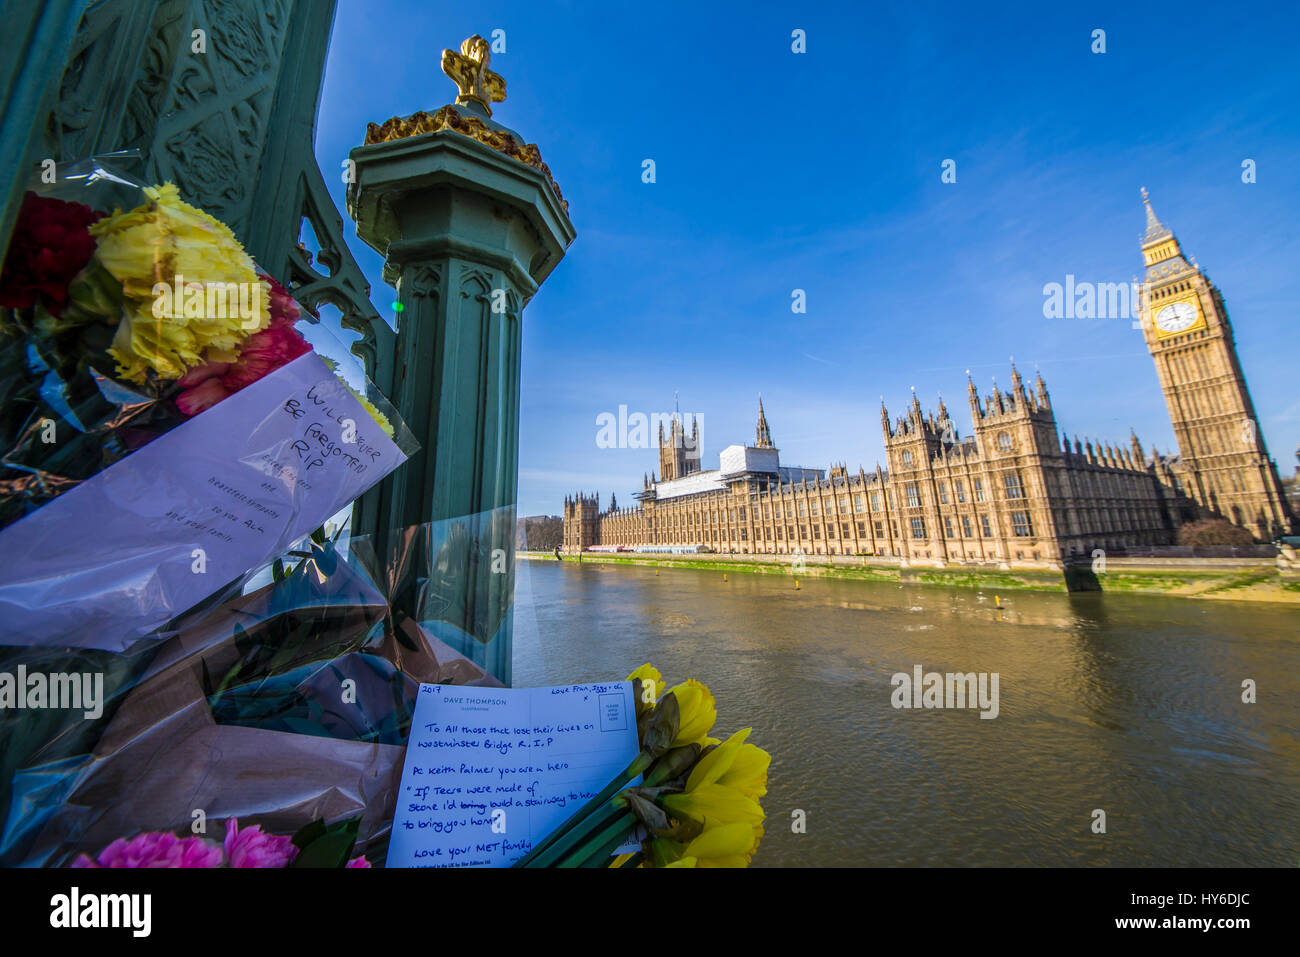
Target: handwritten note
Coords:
[[490, 772], [125, 551]]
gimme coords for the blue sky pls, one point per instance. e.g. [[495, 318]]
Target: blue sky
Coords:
[[821, 171]]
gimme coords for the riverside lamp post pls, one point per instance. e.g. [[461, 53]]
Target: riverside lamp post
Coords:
[[470, 223]]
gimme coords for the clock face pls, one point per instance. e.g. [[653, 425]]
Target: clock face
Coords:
[[1176, 317]]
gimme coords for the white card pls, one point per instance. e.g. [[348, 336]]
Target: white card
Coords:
[[132, 547], [490, 772]]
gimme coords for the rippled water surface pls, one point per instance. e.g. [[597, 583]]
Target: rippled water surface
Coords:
[[1128, 704]]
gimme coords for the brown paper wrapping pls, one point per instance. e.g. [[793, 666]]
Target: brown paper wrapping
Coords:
[[163, 756]]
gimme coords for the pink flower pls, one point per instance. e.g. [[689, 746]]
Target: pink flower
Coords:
[[261, 353], [358, 862], [208, 370], [264, 352], [203, 396], [282, 304], [252, 847], [154, 849]]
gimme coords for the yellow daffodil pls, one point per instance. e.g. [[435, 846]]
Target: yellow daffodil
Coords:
[[698, 713], [739, 858], [728, 845], [713, 805], [649, 676], [748, 772], [165, 247], [717, 761]]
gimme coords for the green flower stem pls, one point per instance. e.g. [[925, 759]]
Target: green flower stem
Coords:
[[575, 836], [603, 842], [604, 857], [638, 765]]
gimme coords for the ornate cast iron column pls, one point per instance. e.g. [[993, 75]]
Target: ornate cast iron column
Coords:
[[470, 223]]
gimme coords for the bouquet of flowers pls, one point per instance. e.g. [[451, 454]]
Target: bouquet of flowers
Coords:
[[697, 803], [164, 425], [316, 845], [287, 708]]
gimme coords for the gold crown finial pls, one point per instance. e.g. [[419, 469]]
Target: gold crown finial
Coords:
[[468, 69]]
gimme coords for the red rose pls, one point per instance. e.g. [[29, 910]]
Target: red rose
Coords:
[[49, 246]]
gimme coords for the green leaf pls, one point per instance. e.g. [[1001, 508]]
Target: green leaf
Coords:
[[329, 846]]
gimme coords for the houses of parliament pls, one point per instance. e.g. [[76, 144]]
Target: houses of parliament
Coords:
[[1014, 491]]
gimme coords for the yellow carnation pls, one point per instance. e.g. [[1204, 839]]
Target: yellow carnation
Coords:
[[165, 241]]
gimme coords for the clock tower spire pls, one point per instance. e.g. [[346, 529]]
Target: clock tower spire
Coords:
[[1185, 323]]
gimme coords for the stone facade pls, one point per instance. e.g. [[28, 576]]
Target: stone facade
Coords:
[[1015, 491]]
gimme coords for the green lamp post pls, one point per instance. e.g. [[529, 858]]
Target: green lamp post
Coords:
[[470, 223]]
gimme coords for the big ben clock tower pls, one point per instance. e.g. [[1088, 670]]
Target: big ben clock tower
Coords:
[[1185, 322]]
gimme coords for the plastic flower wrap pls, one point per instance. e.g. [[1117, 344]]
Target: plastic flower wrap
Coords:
[[283, 712], [165, 426]]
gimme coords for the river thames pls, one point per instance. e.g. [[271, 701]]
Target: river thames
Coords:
[[1127, 704]]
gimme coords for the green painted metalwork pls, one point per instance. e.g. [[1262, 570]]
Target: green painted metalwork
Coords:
[[468, 235], [38, 34], [232, 124]]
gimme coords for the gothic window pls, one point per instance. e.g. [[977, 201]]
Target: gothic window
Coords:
[[918, 527], [907, 456], [1004, 441], [875, 501], [845, 531], [817, 531], [1020, 524], [988, 529], [803, 509], [965, 526], [889, 498], [913, 495], [960, 489], [880, 529], [815, 509], [1012, 482], [803, 531], [857, 503], [893, 528], [943, 493], [979, 489], [947, 526], [862, 529]]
